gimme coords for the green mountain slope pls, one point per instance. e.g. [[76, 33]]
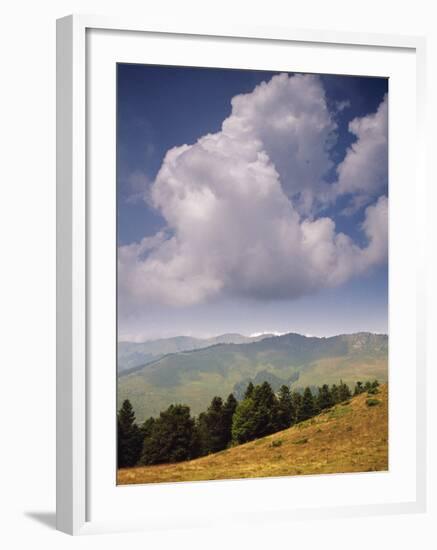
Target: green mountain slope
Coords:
[[194, 377], [134, 354]]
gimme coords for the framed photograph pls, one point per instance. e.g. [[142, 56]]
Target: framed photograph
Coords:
[[241, 271]]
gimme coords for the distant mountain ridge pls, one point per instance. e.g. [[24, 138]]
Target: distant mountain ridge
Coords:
[[194, 377], [134, 354]]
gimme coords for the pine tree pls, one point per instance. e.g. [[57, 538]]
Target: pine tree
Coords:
[[296, 399], [129, 437], [172, 437], [147, 427], [285, 408], [266, 410], [324, 398], [335, 394], [213, 427], [244, 422], [249, 390], [373, 389], [202, 439], [255, 416], [216, 424], [229, 409], [344, 392], [358, 388], [307, 409]]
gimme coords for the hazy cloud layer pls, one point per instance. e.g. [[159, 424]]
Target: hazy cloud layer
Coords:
[[241, 205]]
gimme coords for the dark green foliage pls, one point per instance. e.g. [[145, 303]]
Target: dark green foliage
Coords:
[[215, 423], [147, 427], [229, 409], [257, 415], [324, 398], [285, 408], [244, 423], [212, 429], [172, 437], [129, 437], [249, 390], [266, 410], [335, 394], [373, 389], [307, 409], [372, 402], [296, 399], [175, 436], [201, 435], [368, 386], [344, 392]]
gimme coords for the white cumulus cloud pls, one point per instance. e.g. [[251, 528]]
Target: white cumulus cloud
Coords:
[[364, 170], [240, 206]]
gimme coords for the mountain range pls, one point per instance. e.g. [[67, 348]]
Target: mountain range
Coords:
[[194, 376], [134, 354]]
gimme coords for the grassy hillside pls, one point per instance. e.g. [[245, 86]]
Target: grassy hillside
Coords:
[[350, 437], [134, 354], [194, 377]]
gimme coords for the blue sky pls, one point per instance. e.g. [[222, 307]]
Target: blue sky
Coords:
[[301, 162]]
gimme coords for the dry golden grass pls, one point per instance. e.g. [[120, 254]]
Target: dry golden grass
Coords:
[[350, 437]]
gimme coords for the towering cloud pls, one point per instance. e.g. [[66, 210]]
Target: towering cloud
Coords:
[[241, 204], [363, 173]]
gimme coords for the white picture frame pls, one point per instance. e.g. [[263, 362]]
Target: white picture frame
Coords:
[[74, 343]]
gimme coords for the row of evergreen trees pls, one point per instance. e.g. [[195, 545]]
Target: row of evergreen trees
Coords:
[[175, 435]]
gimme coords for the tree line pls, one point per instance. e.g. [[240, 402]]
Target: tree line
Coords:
[[175, 435]]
